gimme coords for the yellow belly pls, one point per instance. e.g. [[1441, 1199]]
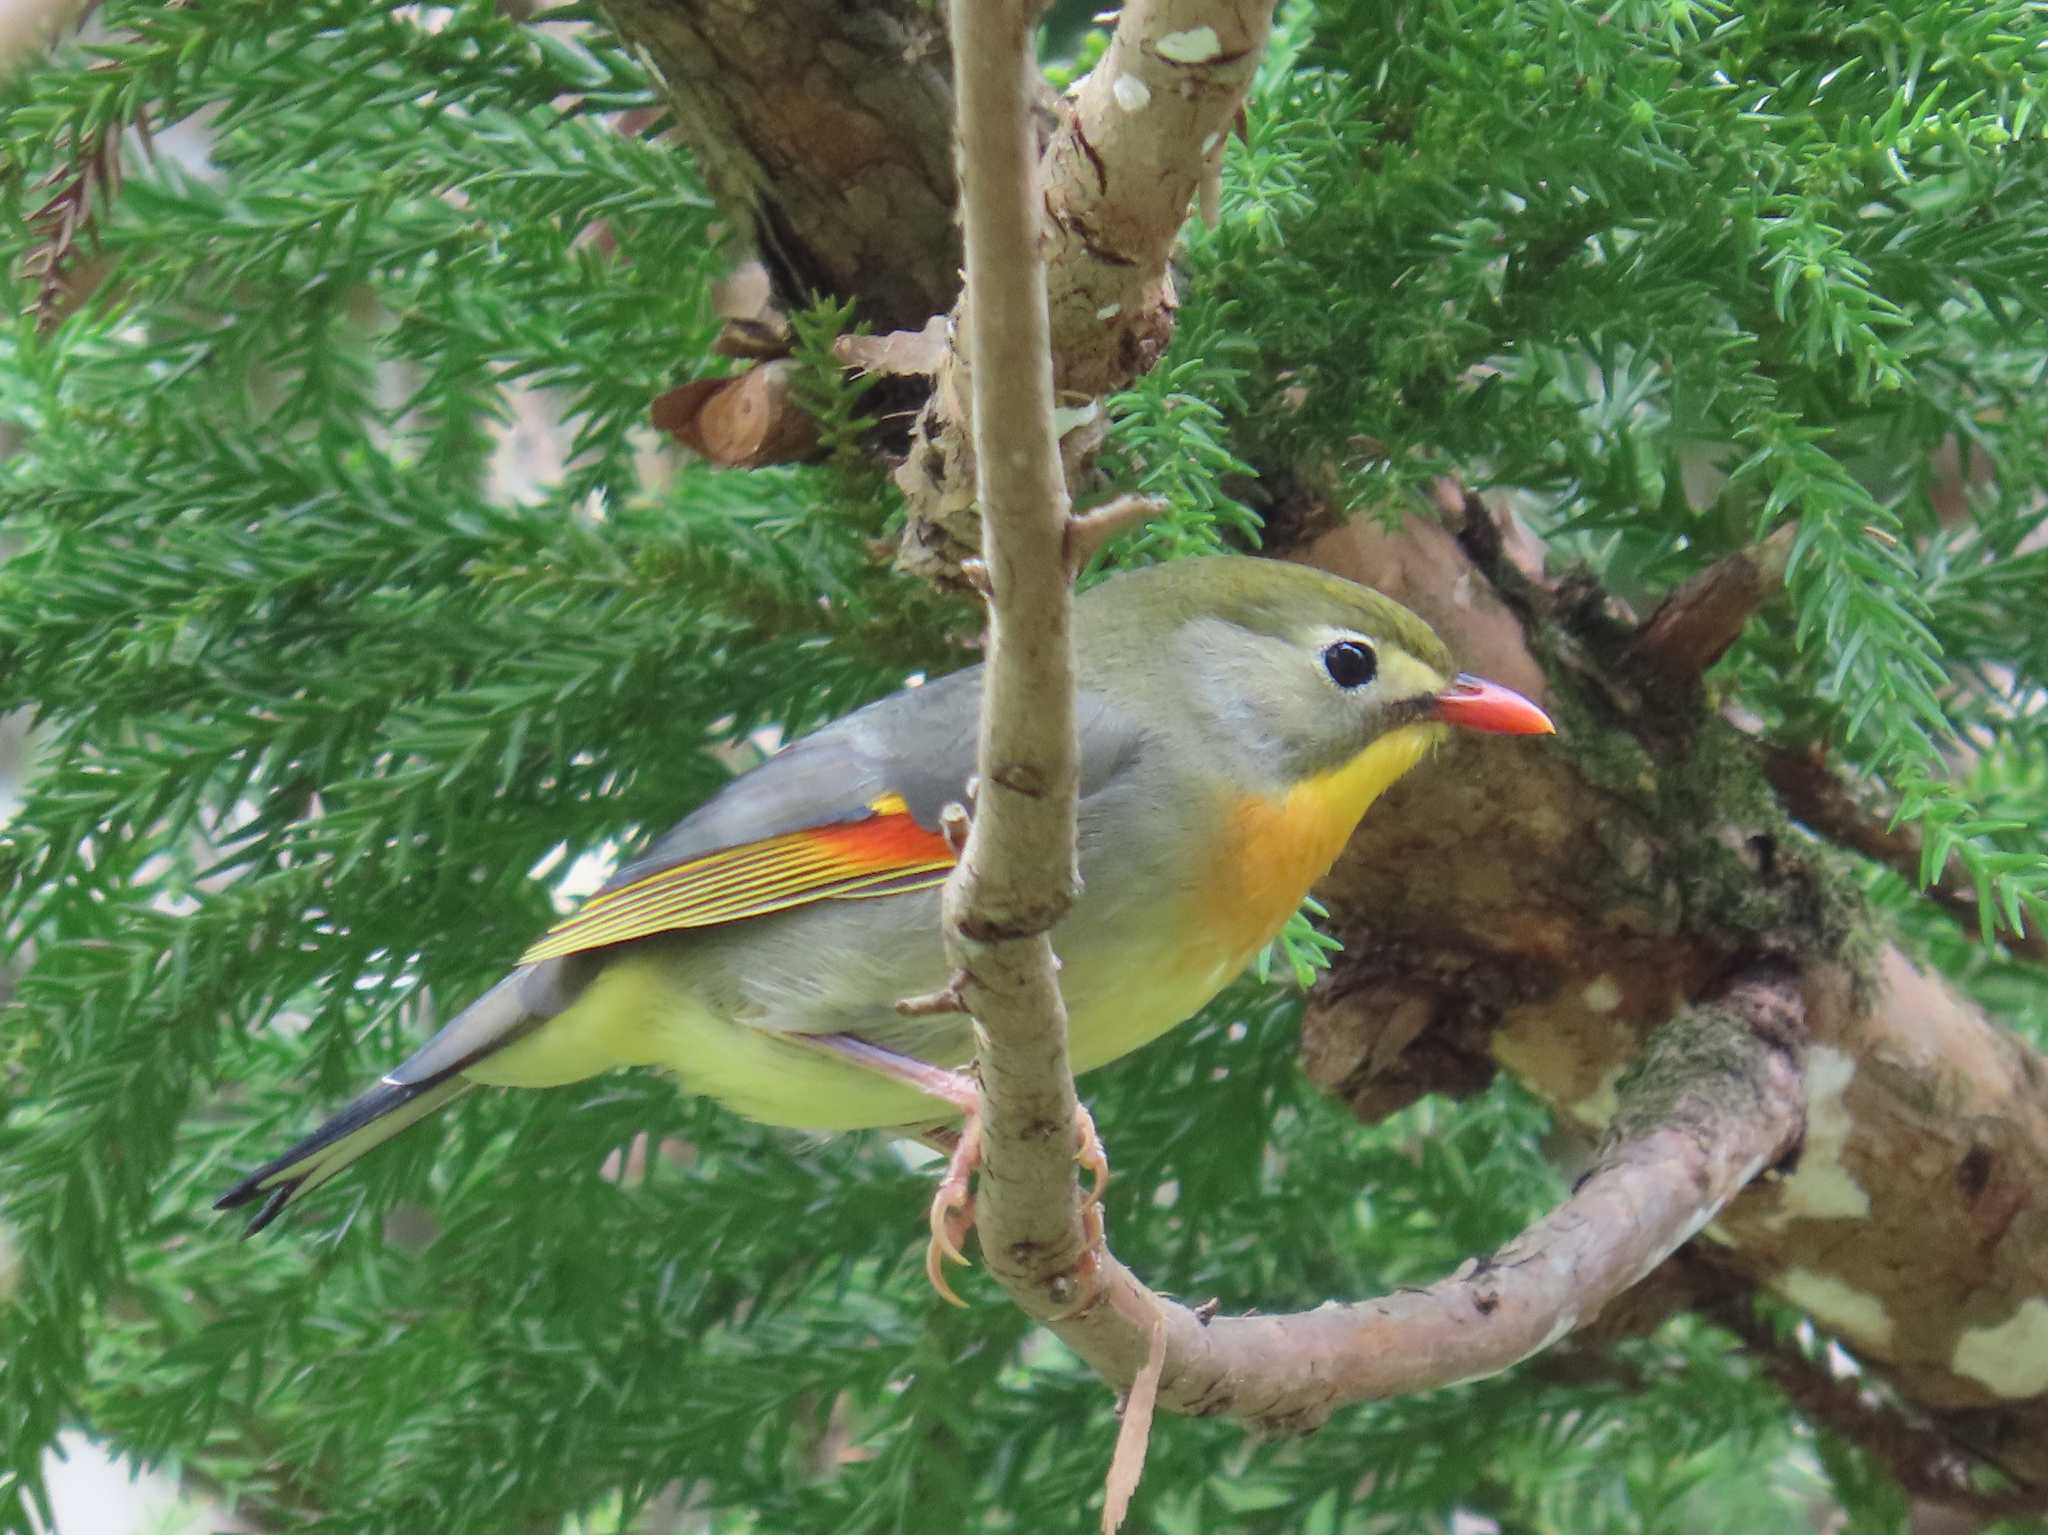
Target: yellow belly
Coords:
[[638, 1011]]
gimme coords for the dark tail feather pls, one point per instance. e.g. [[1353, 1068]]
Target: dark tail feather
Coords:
[[429, 1079], [371, 1120]]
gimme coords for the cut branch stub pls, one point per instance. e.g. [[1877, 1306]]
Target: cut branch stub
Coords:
[[1699, 621], [744, 422]]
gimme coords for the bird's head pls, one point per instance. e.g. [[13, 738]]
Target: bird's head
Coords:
[[1284, 676]]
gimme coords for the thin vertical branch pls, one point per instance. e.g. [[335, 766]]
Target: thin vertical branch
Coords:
[[1016, 877]]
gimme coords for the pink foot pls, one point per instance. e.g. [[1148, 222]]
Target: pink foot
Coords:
[[952, 1212]]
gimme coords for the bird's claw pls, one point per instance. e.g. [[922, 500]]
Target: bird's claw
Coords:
[[952, 1212], [1093, 1159]]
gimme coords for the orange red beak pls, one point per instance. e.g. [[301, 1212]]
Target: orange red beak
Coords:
[[1476, 704]]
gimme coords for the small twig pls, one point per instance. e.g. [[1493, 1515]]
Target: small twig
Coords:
[[901, 352], [1818, 798], [1088, 531], [954, 824], [950, 998], [974, 572], [81, 189], [1698, 622]]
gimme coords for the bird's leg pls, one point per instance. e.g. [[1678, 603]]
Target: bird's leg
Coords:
[[952, 1212]]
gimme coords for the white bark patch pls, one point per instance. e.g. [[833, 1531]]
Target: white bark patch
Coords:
[[1132, 94], [1602, 995], [1197, 45], [1209, 143], [2012, 1357], [1856, 1315], [1822, 1189], [1109, 311]]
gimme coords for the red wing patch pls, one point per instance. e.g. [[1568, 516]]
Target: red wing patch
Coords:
[[884, 852]]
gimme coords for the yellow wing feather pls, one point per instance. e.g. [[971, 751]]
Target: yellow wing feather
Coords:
[[884, 852]]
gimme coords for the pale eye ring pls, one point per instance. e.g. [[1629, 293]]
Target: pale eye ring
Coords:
[[1351, 663]]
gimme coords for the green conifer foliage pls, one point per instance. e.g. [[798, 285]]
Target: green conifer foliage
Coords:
[[315, 698]]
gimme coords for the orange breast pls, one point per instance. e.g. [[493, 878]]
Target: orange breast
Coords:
[[1273, 848]]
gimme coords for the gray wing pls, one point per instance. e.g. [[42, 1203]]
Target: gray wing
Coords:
[[918, 743]]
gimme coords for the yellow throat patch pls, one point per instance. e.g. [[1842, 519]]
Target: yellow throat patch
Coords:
[[1274, 849]]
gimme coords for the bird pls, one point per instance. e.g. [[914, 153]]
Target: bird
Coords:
[[1236, 717]]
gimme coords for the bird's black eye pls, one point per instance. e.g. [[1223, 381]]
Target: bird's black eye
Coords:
[[1351, 663]]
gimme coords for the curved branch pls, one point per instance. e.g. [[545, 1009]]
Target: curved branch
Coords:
[[1716, 1099]]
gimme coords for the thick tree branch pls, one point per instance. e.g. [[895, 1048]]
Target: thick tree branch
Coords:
[[1130, 150], [825, 130]]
